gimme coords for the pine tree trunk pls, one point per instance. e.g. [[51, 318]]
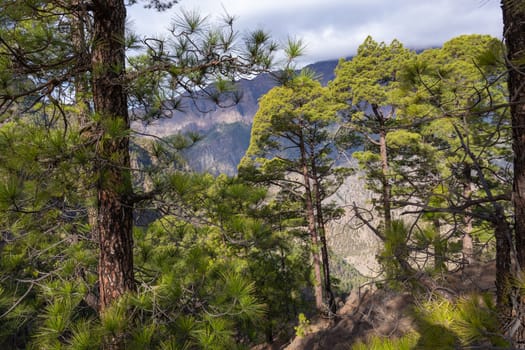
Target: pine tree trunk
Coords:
[[326, 263], [79, 18], [79, 38], [439, 252], [310, 217], [114, 212], [506, 309], [332, 307], [468, 244], [514, 34], [387, 188], [503, 262]]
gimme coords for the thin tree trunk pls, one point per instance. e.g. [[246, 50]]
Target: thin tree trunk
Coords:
[[383, 154], [332, 307], [468, 245], [115, 215], [79, 19], [503, 262], [439, 252], [310, 217], [387, 188], [467, 242]]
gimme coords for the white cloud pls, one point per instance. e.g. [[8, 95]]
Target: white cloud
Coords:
[[335, 28]]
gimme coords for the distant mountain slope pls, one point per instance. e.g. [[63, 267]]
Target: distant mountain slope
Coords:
[[325, 70], [223, 147], [192, 117]]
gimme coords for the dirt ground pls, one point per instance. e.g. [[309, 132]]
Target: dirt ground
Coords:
[[369, 311]]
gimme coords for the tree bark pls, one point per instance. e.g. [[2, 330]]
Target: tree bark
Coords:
[[332, 307], [79, 19], [503, 233], [468, 244], [310, 217], [112, 165], [514, 34], [383, 153]]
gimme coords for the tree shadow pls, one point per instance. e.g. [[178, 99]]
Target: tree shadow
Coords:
[[433, 336]]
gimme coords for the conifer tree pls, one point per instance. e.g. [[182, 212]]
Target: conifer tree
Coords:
[[453, 98], [292, 147], [367, 84]]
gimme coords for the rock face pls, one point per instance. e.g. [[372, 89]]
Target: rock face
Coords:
[[348, 238]]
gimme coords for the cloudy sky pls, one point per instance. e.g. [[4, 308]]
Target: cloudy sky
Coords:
[[335, 28]]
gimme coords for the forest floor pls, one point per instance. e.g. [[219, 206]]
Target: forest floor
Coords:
[[378, 312]]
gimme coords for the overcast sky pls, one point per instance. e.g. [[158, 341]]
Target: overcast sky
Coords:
[[334, 28]]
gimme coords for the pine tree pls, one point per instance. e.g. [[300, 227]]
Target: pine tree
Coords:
[[367, 83], [453, 97], [292, 146]]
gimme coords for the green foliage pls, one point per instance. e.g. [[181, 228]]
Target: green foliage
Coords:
[[446, 137], [368, 85], [371, 76], [452, 96], [395, 253], [46, 253], [83, 337], [471, 320], [231, 274], [302, 103], [219, 267], [407, 342], [345, 276], [292, 147], [303, 328]]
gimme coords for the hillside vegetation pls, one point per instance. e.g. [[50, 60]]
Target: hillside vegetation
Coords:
[[376, 206]]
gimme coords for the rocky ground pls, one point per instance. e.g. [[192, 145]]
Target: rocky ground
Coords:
[[369, 311]]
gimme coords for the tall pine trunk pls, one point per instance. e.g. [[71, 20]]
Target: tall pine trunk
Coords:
[[332, 307], [514, 34], [310, 218], [112, 164], [503, 233], [385, 182], [383, 154]]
